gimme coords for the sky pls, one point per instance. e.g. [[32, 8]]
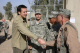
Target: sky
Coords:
[[15, 3]]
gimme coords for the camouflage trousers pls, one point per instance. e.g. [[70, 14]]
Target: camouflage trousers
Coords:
[[62, 50], [39, 50], [50, 49]]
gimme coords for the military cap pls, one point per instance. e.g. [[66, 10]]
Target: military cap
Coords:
[[55, 12], [65, 12], [52, 16], [38, 13]]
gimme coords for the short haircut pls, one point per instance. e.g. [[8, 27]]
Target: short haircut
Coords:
[[19, 8], [67, 16]]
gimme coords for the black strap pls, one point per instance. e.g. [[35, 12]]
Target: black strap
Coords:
[[65, 40], [70, 25]]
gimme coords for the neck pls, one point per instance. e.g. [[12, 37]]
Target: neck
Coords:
[[61, 23], [55, 22], [65, 22]]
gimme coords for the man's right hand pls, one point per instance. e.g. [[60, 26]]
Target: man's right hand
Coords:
[[50, 43], [42, 41]]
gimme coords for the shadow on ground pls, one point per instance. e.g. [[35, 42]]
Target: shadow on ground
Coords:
[[3, 39]]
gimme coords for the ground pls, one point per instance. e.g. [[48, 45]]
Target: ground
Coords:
[[5, 45]]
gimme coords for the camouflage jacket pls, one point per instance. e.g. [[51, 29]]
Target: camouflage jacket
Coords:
[[40, 29], [54, 29]]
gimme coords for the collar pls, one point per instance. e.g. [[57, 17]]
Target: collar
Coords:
[[23, 19], [39, 22]]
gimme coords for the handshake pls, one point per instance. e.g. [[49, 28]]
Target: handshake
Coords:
[[44, 43], [48, 43]]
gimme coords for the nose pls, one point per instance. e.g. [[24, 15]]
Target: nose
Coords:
[[26, 13]]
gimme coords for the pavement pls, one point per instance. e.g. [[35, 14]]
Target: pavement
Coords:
[[5, 45]]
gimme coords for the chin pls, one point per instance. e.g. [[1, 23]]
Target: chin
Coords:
[[25, 16], [38, 18]]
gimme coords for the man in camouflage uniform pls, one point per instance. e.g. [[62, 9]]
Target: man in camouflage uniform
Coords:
[[55, 26], [6, 28], [67, 41], [38, 27]]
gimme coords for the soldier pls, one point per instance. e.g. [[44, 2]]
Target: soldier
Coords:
[[20, 31], [55, 24], [67, 41], [38, 27], [54, 30], [6, 28], [1, 26]]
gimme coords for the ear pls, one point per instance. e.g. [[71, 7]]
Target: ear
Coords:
[[19, 13]]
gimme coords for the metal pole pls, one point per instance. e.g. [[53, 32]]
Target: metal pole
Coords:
[[63, 4], [49, 2], [54, 4], [47, 12], [30, 12]]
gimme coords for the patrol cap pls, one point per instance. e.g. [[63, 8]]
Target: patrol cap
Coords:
[[52, 16], [65, 12], [55, 12], [38, 13]]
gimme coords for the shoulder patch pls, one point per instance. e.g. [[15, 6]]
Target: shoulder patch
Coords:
[[65, 29]]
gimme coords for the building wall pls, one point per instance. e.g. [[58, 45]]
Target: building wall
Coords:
[[73, 5]]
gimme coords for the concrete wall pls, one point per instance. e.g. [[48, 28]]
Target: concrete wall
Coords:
[[74, 6]]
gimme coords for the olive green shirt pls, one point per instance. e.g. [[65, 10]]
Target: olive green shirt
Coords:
[[19, 33]]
